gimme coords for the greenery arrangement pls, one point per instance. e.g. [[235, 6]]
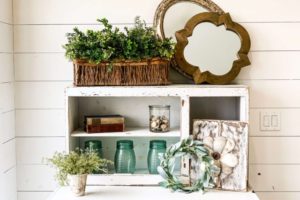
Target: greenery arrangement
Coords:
[[194, 149], [111, 44], [77, 162]]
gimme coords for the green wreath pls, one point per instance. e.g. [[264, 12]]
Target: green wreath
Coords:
[[196, 150]]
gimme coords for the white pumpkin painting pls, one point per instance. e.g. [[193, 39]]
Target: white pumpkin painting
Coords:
[[227, 142]]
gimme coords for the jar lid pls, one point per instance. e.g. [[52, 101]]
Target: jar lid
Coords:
[[159, 106], [158, 144], [124, 144], [93, 144]]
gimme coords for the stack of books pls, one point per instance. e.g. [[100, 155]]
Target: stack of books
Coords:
[[104, 123]]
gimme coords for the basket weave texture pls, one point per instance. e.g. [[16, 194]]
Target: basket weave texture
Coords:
[[153, 71]]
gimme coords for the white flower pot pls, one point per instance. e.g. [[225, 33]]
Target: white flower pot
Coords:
[[77, 184]]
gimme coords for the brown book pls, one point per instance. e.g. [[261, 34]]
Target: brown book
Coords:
[[105, 128], [104, 119]]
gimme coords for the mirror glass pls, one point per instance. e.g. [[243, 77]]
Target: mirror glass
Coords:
[[212, 48], [177, 15]]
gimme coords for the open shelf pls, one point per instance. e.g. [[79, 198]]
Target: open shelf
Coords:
[[129, 132]]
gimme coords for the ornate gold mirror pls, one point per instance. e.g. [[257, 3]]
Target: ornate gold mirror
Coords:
[[212, 48], [172, 15]]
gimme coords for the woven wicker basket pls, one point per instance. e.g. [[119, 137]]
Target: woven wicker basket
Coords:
[[146, 72]]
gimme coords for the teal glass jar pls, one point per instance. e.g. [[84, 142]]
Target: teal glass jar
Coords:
[[94, 145], [157, 147], [125, 157]]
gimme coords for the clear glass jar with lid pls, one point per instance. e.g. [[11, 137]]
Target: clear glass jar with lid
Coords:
[[159, 120]]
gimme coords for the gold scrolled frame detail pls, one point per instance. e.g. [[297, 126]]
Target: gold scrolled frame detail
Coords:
[[158, 22], [195, 71]]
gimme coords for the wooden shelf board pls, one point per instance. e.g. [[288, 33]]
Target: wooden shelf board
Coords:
[[129, 132]]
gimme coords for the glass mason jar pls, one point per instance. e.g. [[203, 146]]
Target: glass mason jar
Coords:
[[157, 147], [159, 120], [125, 157], [94, 145]]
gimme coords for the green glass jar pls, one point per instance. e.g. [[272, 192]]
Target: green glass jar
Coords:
[[94, 145], [157, 147], [125, 157]]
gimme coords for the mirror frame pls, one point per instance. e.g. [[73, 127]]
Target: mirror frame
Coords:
[[158, 22], [218, 20]]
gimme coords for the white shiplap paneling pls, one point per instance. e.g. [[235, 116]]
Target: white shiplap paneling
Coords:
[[278, 195], [33, 195], [273, 93], [35, 178], [7, 155], [71, 11], [274, 177], [45, 123], [40, 94], [6, 11], [6, 38], [8, 185], [290, 122], [45, 67], [7, 97], [6, 67], [44, 148], [262, 63], [50, 13], [7, 126], [274, 150], [32, 38]]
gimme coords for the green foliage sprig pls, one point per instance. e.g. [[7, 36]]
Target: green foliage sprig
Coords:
[[110, 44], [196, 150], [77, 162]]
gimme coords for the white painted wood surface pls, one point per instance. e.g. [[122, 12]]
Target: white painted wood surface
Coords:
[[290, 122], [6, 10], [6, 38], [45, 148], [287, 33], [33, 195], [275, 150], [7, 97], [279, 195], [147, 193], [7, 126], [280, 177], [8, 185], [6, 67], [129, 132], [34, 95], [46, 123], [7, 156]]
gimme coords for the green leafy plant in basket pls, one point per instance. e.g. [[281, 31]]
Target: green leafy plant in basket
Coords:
[[110, 44]]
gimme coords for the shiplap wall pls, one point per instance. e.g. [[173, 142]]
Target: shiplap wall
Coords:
[[42, 73], [7, 112]]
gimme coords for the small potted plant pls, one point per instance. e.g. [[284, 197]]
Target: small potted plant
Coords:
[[73, 168], [135, 56]]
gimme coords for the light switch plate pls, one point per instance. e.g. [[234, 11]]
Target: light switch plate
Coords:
[[270, 120]]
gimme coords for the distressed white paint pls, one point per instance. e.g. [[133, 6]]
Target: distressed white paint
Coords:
[[147, 193], [106, 98]]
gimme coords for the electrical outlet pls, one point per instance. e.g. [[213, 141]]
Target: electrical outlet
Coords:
[[270, 121]]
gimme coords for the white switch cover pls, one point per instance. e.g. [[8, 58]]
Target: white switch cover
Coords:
[[270, 121]]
